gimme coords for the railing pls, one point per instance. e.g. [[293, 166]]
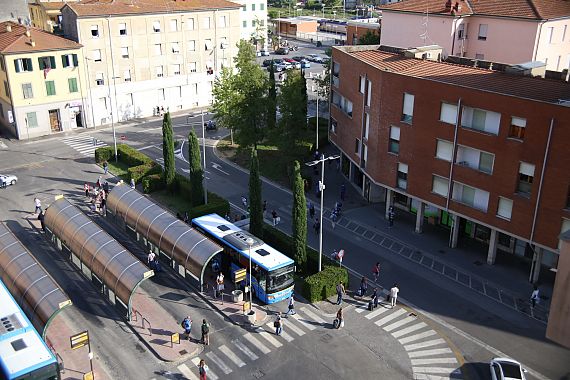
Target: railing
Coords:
[[134, 317]]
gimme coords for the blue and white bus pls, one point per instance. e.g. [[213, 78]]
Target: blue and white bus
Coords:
[[272, 271], [23, 353]]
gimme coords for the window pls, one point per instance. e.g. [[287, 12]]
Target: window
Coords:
[[127, 75], [32, 119], [224, 63], [475, 159], [564, 32], [334, 127], [526, 177], [362, 85], [208, 44], [480, 56], [23, 64], [194, 88], [161, 95], [223, 43], [517, 128], [448, 113], [549, 34], [366, 125], [72, 82], [222, 21], [2, 64], [6, 89], [252, 7], [482, 32], [402, 176], [461, 32], [244, 8], [565, 227], [505, 208], [191, 45], [253, 23], [179, 91], [46, 62], [444, 150], [408, 108], [192, 67], [206, 23], [94, 31], [336, 70], [369, 93], [174, 25], [347, 107], [125, 52], [99, 79], [481, 120], [122, 29], [50, 88], [130, 99], [156, 26], [357, 146], [157, 49], [69, 60], [27, 90], [471, 196], [175, 47], [244, 23], [394, 144], [440, 186], [96, 54], [261, 7], [190, 24], [159, 71], [176, 69]]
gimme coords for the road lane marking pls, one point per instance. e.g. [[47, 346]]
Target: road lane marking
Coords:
[[313, 316], [375, 313], [427, 343], [434, 351], [286, 336], [186, 372], [291, 326], [388, 318], [449, 371], [218, 362], [433, 361], [304, 322], [210, 373], [407, 330], [233, 357], [257, 344], [415, 337], [243, 348], [399, 323], [269, 337]]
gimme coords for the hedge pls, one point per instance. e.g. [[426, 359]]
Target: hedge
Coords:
[[141, 171], [152, 183], [322, 285], [182, 185], [131, 156], [104, 154], [216, 205]]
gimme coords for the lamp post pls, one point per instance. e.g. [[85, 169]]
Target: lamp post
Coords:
[[204, 153], [322, 190], [249, 242]]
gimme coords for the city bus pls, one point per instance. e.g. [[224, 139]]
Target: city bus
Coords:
[[23, 353], [272, 271]]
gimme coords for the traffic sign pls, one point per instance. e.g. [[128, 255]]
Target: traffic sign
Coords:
[[239, 275], [340, 254], [79, 340]]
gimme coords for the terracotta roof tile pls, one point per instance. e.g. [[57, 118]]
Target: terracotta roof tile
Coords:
[[120, 7], [53, 5], [545, 90], [16, 41]]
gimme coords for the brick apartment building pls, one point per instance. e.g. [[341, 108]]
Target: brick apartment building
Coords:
[[482, 152]]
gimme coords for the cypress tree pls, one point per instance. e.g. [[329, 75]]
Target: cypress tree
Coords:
[[196, 171], [168, 152], [299, 219], [255, 206]]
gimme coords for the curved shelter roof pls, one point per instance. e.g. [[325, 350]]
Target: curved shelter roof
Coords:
[[172, 236], [112, 263], [30, 284]]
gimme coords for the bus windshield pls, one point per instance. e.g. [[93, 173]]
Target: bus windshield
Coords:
[[280, 279]]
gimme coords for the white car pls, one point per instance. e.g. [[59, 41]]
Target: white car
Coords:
[[7, 179], [314, 58], [506, 369]]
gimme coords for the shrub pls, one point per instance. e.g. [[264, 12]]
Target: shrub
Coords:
[[182, 186], [140, 171], [216, 205], [104, 154], [131, 156], [152, 183], [322, 285]]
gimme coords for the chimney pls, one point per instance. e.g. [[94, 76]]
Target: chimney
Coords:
[[33, 43], [8, 27], [457, 7], [448, 6], [28, 34]]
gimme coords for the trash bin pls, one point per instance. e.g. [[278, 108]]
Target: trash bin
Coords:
[[251, 316], [237, 296]]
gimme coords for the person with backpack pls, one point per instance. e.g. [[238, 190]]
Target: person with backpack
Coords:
[[363, 287], [278, 324], [205, 333], [202, 370], [187, 326], [291, 307]]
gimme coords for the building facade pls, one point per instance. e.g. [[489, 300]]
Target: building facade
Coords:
[[44, 83], [142, 55], [500, 31], [355, 29], [480, 152], [253, 22]]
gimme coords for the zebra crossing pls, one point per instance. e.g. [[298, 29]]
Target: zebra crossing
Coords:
[[431, 357], [83, 144]]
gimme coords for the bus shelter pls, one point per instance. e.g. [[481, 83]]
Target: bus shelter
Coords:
[[37, 293], [109, 265], [187, 250]]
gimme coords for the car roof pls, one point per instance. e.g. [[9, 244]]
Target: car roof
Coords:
[[506, 360]]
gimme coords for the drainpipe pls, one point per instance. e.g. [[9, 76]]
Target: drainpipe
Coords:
[[535, 53], [450, 182], [454, 27]]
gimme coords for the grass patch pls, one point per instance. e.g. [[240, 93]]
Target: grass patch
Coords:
[[119, 169], [174, 203]]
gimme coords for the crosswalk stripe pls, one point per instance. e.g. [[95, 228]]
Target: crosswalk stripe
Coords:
[[304, 322], [427, 343], [407, 330], [243, 348], [186, 372], [377, 312], [399, 323], [291, 326], [284, 334], [415, 337], [388, 318], [313, 316], [83, 144], [233, 357], [269, 337], [435, 351], [257, 344], [441, 370], [218, 362], [209, 372], [361, 308], [425, 376], [434, 361]]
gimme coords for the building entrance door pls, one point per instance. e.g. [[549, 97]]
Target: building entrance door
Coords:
[[54, 121]]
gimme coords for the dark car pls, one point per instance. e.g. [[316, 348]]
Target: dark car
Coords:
[[210, 125], [299, 58], [282, 51]]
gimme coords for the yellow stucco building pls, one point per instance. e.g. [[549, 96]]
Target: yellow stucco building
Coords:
[[43, 88]]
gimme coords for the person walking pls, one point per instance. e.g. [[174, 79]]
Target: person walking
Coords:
[[274, 216], [278, 324], [202, 370], [339, 292], [38, 204], [133, 185], [374, 298], [264, 209], [339, 318], [317, 226], [394, 295], [244, 202], [311, 210], [205, 333], [104, 202], [342, 192], [376, 271], [291, 306], [106, 167], [391, 215], [220, 284], [363, 286], [86, 189], [187, 326], [534, 297], [151, 260], [41, 218]]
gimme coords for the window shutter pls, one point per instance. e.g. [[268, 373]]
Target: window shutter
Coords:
[[444, 150], [505, 207], [440, 186], [41, 63], [64, 61], [30, 64], [52, 62], [527, 169], [17, 65], [403, 167], [448, 113], [75, 61], [408, 104], [395, 133], [518, 121]]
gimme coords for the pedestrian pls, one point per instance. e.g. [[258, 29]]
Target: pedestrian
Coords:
[[274, 216], [186, 217], [220, 283], [244, 202], [339, 292], [161, 110], [334, 218], [316, 156], [106, 167], [311, 210], [202, 369], [363, 286], [278, 324], [317, 226], [205, 333], [291, 307], [133, 185], [41, 218], [374, 298], [342, 192], [391, 215], [38, 206], [376, 271], [98, 183], [151, 260], [187, 326], [106, 187], [339, 319], [3, 183], [534, 297], [104, 202], [394, 295], [86, 189]]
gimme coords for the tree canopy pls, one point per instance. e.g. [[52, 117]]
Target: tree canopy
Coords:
[[168, 151], [292, 104], [369, 38]]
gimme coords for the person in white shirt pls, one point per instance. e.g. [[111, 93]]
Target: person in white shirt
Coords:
[[394, 295], [220, 283], [534, 297]]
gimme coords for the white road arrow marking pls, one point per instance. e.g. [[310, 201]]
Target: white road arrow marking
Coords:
[[219, 167]]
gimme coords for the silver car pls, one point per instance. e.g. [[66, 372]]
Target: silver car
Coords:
[[7, 179], [506, 369]]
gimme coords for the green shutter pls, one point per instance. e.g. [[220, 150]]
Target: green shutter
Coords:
[[52, 62], [30, 64], [64, 61], [50, 87], [75, 61], [72, 84], [16, 66], [41, 63]]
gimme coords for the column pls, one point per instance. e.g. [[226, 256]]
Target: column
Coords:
[[454, 232], [492, 253], [536, 265], [389, 194], [420, 218]]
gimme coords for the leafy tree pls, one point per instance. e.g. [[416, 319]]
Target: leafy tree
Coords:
[[271, 100], [291, 104], [168, 151], [304, 93], [196, 171], [255, 206], [331, 3], [299, 218], [369, 38], [324, 83]]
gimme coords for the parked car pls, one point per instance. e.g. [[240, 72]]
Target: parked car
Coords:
[[298, 58], [295, 64], [506, 369], [282, 51], [263, 53], [7, 179], [210, 125], [267, 62], [315, 58], [305, 64], [325, 60]]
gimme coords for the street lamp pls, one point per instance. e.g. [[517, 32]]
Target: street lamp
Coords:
[[249, 242], [322, 190], [204, 153]]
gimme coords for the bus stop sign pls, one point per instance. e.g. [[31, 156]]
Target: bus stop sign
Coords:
[[340, 254]]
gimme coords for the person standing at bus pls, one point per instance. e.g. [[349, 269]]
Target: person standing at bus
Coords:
[[205, 333], [220, 284]]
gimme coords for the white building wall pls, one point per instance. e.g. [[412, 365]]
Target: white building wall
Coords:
[[247, 17]]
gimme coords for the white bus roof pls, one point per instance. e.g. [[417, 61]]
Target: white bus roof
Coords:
[[261, 253]]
